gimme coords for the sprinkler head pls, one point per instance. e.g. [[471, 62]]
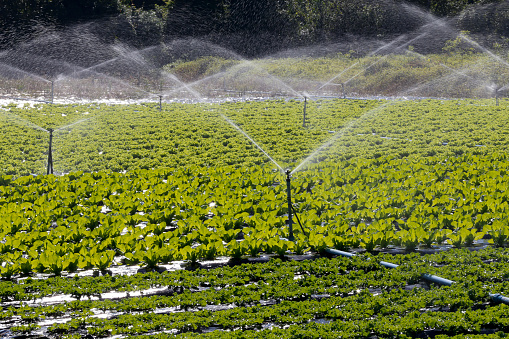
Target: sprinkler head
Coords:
[[50, 130], [288, 173]]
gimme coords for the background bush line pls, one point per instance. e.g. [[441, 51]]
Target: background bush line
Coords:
[[248, 27]]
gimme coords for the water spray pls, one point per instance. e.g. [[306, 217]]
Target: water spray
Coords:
[[50, 152], [290, 208]]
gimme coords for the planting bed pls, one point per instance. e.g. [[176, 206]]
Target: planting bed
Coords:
[[99, 251], [324, 297]]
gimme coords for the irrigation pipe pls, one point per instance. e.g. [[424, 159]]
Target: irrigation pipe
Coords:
[[497, 297], [26, 99]]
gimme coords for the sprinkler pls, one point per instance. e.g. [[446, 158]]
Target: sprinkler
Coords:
[[496, 94], [50, 152], [304, 116], [52, 90], [160, 103], [344, 92], [290, 208]]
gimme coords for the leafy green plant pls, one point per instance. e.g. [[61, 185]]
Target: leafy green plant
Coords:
[[103, 260], [191, 255], [499, 233], [236, 249]]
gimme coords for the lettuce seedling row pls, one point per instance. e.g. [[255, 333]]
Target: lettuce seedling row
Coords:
[[397, 177]]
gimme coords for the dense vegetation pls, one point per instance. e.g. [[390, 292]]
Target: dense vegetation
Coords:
[[96, 137], [322, 298], [239, 23], [392, 173], [458, 72], [149, 187]]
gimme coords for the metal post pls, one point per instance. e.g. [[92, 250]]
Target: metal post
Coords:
[[160, 103], [344, 93], [50, 152], [304, 117], [289, 194], [496, 95]]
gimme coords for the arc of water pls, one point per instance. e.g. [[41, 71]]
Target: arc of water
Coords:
[[183, 85], [23, 122], [72, 124], [338, 135], [427, 84], [18, 70], [276, 79], [252, 141], [454, 70], [503, 88], [356, 63], [349, 125], [385, 57], [189, 86], [116, 80], [244, 60], [485, 50], [242, 64], [133, 55], [107, 62]]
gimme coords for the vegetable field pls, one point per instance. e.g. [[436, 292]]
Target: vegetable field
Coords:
[[144, 191]]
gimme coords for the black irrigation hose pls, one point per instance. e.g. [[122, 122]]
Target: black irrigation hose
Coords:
[[497, 297]]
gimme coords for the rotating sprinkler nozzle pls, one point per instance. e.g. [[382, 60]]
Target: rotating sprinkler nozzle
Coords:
[[50, 152], [289, 195]]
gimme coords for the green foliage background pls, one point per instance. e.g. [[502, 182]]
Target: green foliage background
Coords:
[[239, 23]]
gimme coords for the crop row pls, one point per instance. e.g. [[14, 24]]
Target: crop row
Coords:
[[351, 297], [120, 138], [458, 265], [193, 213]]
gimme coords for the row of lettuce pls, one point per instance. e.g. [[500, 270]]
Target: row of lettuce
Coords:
[[122, 138], [153, 217], [353, 298]]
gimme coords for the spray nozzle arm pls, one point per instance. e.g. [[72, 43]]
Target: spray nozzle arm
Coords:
[[288, 174]]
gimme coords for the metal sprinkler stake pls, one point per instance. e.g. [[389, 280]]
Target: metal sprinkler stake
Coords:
[[496, 95], [52, 90], [50, 152], [344, 93], [160, 103], [304, 116], [289, 195]]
